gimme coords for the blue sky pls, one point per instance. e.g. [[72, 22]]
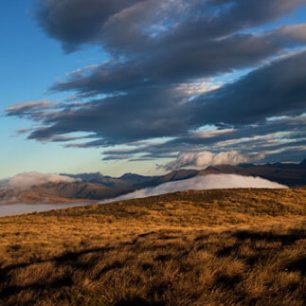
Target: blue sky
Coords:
[[25, 76], [32, 61]]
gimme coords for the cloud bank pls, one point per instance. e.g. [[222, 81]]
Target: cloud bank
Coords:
[[212, 181], [206, 158], [27, 180]]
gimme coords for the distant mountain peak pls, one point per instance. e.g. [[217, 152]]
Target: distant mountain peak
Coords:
[[131, 176], [87, 177]]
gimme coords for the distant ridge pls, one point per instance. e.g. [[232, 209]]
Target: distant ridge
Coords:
[[96, 186]]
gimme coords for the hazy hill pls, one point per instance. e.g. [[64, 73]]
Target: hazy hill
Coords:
[[60, 193], [225, 247]]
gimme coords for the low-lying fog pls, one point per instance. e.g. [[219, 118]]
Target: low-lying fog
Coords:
[[207, 182], [220, 181]]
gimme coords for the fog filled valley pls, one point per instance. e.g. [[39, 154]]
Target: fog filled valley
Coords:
[[208, 182], [66, 189]]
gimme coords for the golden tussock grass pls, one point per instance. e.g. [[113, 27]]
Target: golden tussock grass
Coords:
[[226, 247]]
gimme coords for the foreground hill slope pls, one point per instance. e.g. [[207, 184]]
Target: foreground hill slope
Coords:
[[223, 247]]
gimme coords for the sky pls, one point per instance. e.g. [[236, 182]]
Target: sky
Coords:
[[150, 86]]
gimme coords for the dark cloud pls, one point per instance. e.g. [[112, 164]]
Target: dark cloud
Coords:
[[269, 139], [129, 24], [162, 55], [172, 64], [77, 21], [273, 90], [140, 115]]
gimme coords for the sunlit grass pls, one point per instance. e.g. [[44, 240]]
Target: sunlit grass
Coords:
[[243, 247]]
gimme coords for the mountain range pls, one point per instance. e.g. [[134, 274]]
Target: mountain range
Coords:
[[95, 186]]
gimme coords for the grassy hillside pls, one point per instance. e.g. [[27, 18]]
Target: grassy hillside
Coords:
[[238, 247]]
